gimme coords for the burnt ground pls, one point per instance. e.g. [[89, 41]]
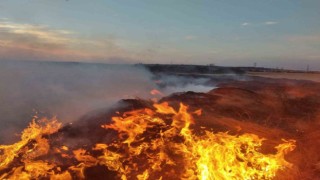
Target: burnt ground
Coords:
[[274, 109], [270, 108]]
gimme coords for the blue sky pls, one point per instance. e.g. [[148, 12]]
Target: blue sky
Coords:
[[273, 33]]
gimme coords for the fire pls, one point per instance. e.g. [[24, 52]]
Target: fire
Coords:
[[33, 135], [177, 148], [152, 143], [156, 92]]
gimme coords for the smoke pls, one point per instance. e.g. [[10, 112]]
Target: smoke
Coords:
[[65, 90], [171, 84], [70, 90]]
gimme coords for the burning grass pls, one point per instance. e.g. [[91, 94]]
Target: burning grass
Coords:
[[152, 143], [244, 130]]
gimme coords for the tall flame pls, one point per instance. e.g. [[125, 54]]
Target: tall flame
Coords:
[[34, 134], [170, 146], [158, 143]]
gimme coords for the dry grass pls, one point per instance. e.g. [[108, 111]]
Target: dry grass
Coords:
[[296, 76]]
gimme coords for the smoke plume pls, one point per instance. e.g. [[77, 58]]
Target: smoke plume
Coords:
[[65, 90]]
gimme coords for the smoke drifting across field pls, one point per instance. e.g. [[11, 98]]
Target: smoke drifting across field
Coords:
[[67, 90], [172, 83], [71, 90]]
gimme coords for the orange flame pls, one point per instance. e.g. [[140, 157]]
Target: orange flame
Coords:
[[156, 92], [190, 156], [157, 143]]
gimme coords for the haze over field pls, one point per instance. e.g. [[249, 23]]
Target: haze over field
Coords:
[[163, 89], [271, 33], [283, 34], [71, 90], [67, 91]]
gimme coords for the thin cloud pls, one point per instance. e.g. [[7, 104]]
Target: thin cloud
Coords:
[[245, 24], [30, 41], [33, 35], [257, 24], [270, 22]]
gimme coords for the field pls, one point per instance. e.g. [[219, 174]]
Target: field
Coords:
[[282, 75]]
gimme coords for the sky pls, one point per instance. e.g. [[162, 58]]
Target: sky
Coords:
[[271, 33]]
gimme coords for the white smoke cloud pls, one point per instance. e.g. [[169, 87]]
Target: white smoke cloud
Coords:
[[65, 90], [72, 90]]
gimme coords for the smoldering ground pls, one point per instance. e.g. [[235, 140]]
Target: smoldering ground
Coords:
[[65, 90], [71, 90]]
